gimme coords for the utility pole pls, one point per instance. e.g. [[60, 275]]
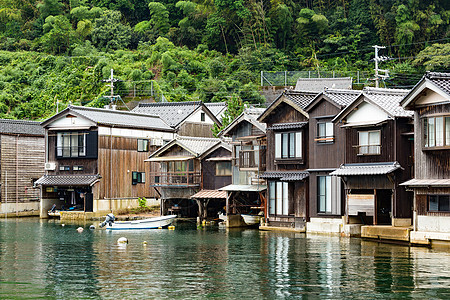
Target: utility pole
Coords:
[[111, 81], [377, 59]]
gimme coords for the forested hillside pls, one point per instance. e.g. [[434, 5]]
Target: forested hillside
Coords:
[[203, 50]]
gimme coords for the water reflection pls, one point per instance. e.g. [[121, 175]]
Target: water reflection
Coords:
[[43, 259]]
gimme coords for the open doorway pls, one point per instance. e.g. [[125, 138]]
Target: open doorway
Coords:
[[383, 207]]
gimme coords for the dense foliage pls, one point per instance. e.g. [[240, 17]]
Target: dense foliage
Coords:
[[207, 50]]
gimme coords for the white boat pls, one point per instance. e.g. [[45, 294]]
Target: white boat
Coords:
[[251, 219], [150, 223]]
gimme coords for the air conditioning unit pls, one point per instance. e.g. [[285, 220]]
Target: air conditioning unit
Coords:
[[156, 142], [50, 166]]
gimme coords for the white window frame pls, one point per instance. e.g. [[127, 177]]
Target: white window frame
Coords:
[[328, 136], [436, 132], [370, 147], [278, 198], [288, 145]]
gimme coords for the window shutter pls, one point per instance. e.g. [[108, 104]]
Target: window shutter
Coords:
[[298, 144], [92, 144], [277, 145]]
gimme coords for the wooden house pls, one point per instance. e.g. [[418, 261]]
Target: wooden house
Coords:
[[378, 157], [246, 193], [94, 160], [22, 149], [181, 173], [188, 118], [326, 143], [430, 101], [287, 159]]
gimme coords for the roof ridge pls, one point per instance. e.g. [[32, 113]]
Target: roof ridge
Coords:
[[27, 122], [179, 103], [197, 138], [112, 111], [433, 75], [384, 91]]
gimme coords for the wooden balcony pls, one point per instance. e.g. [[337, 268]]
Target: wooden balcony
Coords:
[[175, 179], [252, 160]]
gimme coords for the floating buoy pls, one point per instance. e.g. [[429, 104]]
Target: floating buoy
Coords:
[[122, 240], [92, 227], [144, 242], [171, 227], [160, 227], [80, 229], [63, 225]]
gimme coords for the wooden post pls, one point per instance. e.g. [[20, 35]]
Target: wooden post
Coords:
[[375, 214]]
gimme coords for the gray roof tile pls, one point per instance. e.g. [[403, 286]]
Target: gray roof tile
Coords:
[[301, 98], [283, 126], [318, 84], [67, 180], [216, 107], [342, 97], [121, 118], [285, 176], [442, 80], [171, 112], [21, 127], [366, 169], [389, 100]]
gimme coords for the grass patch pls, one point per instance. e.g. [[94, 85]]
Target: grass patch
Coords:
[[138, 210]]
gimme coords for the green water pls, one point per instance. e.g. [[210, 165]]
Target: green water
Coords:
[[42, 259]]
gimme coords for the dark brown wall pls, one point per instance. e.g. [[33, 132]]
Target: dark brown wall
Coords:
[[325, 155], [196, 129], [209, 179], [422, 201]]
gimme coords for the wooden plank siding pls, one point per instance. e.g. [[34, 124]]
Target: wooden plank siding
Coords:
[[196, 129], [22, 162], [117, 159], [209, 179]]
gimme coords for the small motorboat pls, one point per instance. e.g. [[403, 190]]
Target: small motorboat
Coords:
[[251, 219], [150, 223]]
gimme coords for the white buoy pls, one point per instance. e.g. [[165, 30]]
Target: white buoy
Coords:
[[92, 227], [80, 229], [145, 243], [122, 240], [63, 225]]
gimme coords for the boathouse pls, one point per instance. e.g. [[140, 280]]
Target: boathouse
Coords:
[[430, 101], [22, 152], [378, 157], [287, 160], [94, 160], [326, 144]]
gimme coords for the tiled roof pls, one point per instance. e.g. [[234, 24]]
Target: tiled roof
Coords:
[[285, 176], [250, 115], [283, 126], [427, 183], [210, 194], [389, 100], [171, 112], [442, 80], [21, 127], [67, 180], [342, 97], [197, 144], [216, 107], [366, 169], [121, 118], [301, 98]]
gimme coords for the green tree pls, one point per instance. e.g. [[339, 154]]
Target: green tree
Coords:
[[58, 36], [235, 107], [109, 33]]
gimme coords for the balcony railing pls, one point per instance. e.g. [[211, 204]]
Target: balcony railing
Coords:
[[254, 159], [175, 179]]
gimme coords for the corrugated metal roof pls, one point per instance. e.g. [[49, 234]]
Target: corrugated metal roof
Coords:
[[67, 180], [285, 176], [171, 112], [283, 126], [427, 183], [121, 118], [244, 188], [210, 194], [366, 169], [21, 127], [389, 100], [318, 84]]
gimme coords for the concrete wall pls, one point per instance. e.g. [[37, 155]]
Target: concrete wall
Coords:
[[433, 223], [19, 207]]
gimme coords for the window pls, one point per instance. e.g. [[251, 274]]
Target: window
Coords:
[[202, 117], [438, 203], [70, 144], [137, 177], [64, 168], [369, 142], [288, 145], [223, 168], [329, 195], [142, 145], [436, 132], [278, 198], [325, 132], [78, 168]]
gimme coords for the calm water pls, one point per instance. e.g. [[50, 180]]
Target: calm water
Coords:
[[42, 259]]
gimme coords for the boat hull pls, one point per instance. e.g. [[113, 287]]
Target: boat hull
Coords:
[[151, 223], [251, 219]]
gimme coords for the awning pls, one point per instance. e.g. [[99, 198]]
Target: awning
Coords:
[[67, 180], [224, 158], [244, 188], [210, 194], [285, 176], [365, 124], [170, 158], [427, 183], [284, 126], [366, 169]]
